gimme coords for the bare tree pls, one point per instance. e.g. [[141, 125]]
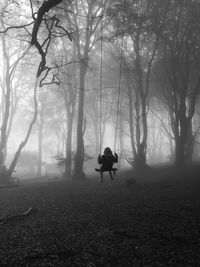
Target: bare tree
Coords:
[[84, 17], [68, 89], [50, 23], [180, 65], [10, 65], [139, 51]]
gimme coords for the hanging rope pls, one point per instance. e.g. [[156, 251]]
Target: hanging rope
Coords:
[[101, 78], [120, 78]]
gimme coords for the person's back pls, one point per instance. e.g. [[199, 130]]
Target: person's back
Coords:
[[107, 160]]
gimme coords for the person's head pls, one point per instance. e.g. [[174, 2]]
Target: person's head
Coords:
[[107, 151]]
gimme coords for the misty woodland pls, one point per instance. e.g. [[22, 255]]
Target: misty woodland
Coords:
[[100, 133], [76, 76]]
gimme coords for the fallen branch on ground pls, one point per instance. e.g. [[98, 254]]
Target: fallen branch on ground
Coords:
[[18, 216], [67, 253]]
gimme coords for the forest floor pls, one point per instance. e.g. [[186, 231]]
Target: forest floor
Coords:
[[154, 222]]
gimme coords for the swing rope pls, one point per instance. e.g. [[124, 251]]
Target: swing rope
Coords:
[[101, 81], [101, 78], [120, 79]]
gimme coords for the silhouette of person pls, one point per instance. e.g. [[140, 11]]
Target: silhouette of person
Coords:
[[106, 161]]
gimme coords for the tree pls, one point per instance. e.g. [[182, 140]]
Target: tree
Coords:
[[134, 23], [11, 63], [41, 109], [180, 69], [42, 49], [84, 17], [67, 90]]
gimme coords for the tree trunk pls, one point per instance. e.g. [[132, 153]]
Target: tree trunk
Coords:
[[180, 144], [3, 141], [180, 141], [145, 128], [189, 145], [68, 163], [179, 152], [140, 160], [121, 145], [23, 143], [40, 136], [39, 165], [9, 70], [79, 157], [97, 141], [40, 141], [131, 127], [140, 156]]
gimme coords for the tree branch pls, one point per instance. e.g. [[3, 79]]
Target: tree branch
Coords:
[[45, 7]]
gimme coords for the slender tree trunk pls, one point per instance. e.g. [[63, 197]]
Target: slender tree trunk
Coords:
[[23, 143], [180, 145], [39, 165], [79, 157], [68, 163], [3, 141], [97, 141], [95, 122], [189, 145], [140, 156], [143, 145], [40, 141], [179, 152], [40, 134], [131, 127], [182, 126], [121, 132]]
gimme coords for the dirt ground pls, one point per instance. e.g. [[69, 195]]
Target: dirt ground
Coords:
[[153, 222]]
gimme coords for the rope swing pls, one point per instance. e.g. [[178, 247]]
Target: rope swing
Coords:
[[119, 84], [120, 78], [101, 79]]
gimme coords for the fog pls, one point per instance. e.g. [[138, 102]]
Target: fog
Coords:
[[68, 92], [99, 133]]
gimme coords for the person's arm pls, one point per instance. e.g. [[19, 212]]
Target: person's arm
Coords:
[[99, 159], [116, 157]]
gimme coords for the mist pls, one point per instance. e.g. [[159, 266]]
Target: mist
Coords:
[[67, 96], [99, 133]]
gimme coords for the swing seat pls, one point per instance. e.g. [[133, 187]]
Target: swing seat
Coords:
[[100, 170]]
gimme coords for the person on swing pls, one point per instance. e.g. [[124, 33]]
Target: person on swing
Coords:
[[106, 161]]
